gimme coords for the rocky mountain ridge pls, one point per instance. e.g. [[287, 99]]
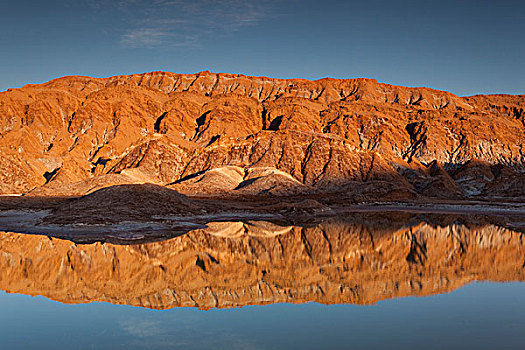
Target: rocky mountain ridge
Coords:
[[194, 132]]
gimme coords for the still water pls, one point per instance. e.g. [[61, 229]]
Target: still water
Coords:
[[441, 282]]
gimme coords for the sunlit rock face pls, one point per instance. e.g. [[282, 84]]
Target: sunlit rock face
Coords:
[[231, 264], [254, 135]]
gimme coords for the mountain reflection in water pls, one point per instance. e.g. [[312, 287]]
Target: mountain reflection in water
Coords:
[[231, 264]]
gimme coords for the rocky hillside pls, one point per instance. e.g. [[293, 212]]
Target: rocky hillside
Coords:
[[232, 264], [224, 134]]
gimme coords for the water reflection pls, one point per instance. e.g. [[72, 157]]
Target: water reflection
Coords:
[[231, 264]]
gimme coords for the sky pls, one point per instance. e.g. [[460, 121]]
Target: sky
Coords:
[[463, 46]]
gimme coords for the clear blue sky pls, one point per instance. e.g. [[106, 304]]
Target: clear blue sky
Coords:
[[462, 46]]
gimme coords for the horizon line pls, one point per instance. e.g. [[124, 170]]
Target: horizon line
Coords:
[[253, 76]]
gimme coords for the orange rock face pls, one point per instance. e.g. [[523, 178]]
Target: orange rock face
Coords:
[[250, 135], [231, 264]]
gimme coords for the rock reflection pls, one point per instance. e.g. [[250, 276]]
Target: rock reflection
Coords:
[[231, 264]]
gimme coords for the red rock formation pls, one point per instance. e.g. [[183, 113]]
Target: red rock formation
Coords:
[[76, 134]]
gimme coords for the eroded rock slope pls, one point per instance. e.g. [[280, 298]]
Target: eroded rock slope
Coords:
[[74, 135]]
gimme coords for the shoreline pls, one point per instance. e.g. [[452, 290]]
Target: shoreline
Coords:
[[142, 227]]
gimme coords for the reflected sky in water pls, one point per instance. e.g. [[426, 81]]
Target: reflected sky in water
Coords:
[[481, 315]]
